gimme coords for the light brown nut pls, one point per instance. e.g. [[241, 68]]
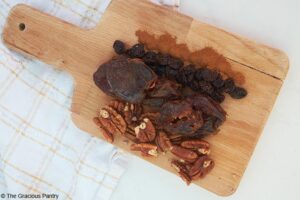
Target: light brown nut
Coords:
[[130, 134], [136, 110], [176, 139], [146, 149], [107, 135], [111, 121], [182, 170], [117, 105], [201, 167], [96, 121], [162, 141], [131, 137], [185, 154], [185, 178], [145, 131], [179, 166], [130, 112], [153, 116], [199, 145]]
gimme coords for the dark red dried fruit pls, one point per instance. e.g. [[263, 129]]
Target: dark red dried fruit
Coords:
[[101, 80], [124, 78], [160, 70], [219, 82], [229, 85], [163, 59], [119, 47], [136, 51], [189, 72], [150, 58], [209, 127], [185, 126], [194, 85], [207, 106], [209, 75], [180, 77], [175, 63], [171, 73], [199, 74], [178, 117], [238, 93], [165, 89], [206, 87], [218, 97], [154, 103]]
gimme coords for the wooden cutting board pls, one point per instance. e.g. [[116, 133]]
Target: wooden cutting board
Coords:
[[80, 52]]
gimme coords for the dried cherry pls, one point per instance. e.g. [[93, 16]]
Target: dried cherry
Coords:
[[163, 59], [218, 82], [238, 93], [136, 51], [171, 73], [217, 96], [119, 47], [175, 63], [229, 85], [206, 87], [150, 58], [209, 75]]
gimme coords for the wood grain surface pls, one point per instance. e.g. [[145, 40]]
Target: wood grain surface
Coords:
[[80, 52]]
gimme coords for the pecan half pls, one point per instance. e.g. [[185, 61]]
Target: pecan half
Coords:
[[185, 178], [163, 142], [117, 105], [107, 135], [130, 134], [182, 171], [131, 112], [145, 131], [111, 122], [179, 166], [146, 149], [185, 154], [199, 145], [176, 139], [201, 167], [96, 121], [153, 116]]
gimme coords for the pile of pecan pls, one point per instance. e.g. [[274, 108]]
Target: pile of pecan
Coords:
[[191, 159]]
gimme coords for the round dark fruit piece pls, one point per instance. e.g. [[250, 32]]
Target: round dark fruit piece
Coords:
[[119, 47], [238, 93], [136, 51]]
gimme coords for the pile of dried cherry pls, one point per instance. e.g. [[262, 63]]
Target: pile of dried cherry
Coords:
[[163, 106], [200, 79]]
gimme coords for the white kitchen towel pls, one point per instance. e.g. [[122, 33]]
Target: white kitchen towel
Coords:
[[41, 151]]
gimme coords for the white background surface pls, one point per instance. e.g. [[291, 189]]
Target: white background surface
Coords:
[[274, 170]]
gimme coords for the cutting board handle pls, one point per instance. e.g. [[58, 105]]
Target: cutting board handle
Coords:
[[46, 38]]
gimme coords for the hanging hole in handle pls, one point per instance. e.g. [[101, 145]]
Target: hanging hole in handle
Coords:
[[22, 26]]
